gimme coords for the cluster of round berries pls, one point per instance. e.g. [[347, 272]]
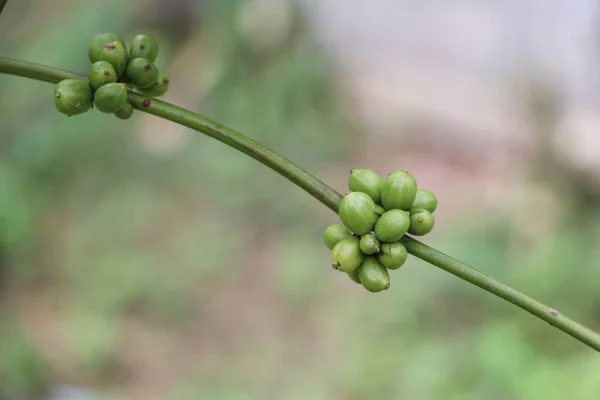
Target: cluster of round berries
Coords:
[[376, 215], [114, 69]]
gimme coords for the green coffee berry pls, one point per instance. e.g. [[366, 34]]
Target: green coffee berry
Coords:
[[335, 234], [366, 181], [426, 200], [392, 225], [73, 96], [354, 275], [143, 46], [399, 191], [421, 223], [98, 42], [141, 72], [110, 98], [159, 88], [393, 255], [373, 276], [125, 112], [369, 244], [346, 255], [379, 210], [414, 210], [357, 212], [101, 73], [114, 51]]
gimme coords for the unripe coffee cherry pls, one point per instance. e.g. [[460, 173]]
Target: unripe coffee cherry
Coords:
[[357, 212], [354, 275], [369, 244], [426, 200], [392, 225], [346, 255], [111, 97], [421, 223], [98, 42], [113, 51], [143, 46], [373, 276], [366, 181], [393, 255], [101, 73], [160, 87], [399, 191], [141, 72], [335, 234], [125, 112], [73, 96]]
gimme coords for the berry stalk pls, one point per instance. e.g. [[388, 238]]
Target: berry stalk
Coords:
[[2, 4], [318, 189]]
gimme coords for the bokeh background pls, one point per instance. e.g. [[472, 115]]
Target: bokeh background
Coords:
[[141, 260]]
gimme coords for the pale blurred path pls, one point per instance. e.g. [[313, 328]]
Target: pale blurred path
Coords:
[[459, 62]]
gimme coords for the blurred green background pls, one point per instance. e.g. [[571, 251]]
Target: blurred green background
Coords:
[[140, 260]]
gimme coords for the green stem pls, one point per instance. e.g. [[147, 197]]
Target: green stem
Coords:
[[319, 190], [2, 4]]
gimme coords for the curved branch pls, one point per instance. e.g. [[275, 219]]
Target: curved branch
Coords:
[[2, 4], [318, 189]]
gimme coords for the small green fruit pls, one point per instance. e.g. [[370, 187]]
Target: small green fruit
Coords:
[[414, 210], [114, 51], [369, 244], [98, 42], [346, 255], [335, 234], [125, 112], [159, 88], [366, 181], [111, 97], [357, 212], [379, 210], [421, 223], [143, 46], [399, 191], [101, 73], [73, 96], [141, 72], [392, 225], [373, 276], [426, 200], [393, 255], [354, 275]]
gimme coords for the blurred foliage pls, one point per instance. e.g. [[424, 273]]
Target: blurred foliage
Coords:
[[217, 262], [23, 371]]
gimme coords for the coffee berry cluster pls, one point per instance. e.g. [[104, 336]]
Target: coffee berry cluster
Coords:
[[114, 70], [376, 214]]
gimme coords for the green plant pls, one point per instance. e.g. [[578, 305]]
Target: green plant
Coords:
[[373, 276], [346, 255], [426, 200], [421, 222], [364, 216], [366, 181], [23, 371], [110, 98], [316, 188], [334, 234], [399, 191], [143, 46], [357, 212], [101, 73], [73, 96]]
